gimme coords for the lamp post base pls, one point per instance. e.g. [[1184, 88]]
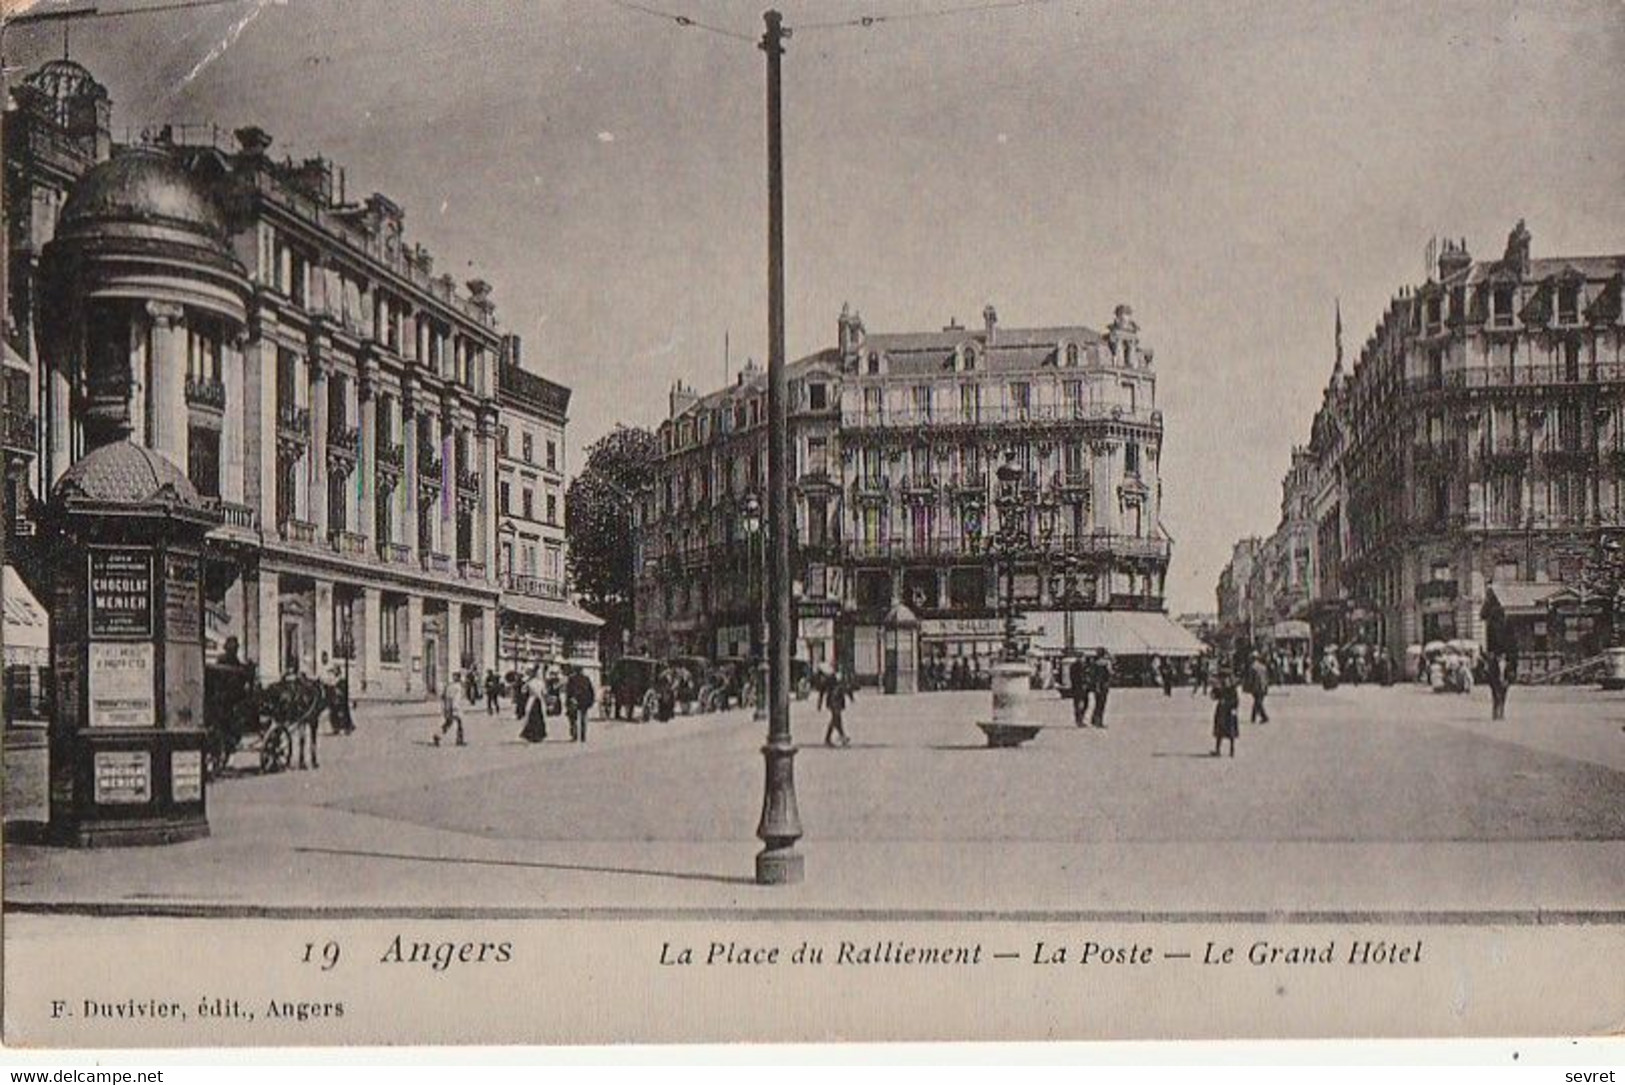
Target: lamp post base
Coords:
[[1613, 675], [780, 866], [779, 863]]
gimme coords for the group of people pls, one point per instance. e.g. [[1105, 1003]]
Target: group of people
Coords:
[[1089, 679], [536, 696], [963, 673]]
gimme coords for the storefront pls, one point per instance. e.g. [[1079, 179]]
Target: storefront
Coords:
[[959, 653]]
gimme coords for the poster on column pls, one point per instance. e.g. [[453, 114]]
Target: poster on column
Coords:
[[122, 684]]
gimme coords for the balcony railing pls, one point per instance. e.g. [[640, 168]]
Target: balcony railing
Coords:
[[469, 569], [293, 423], [389, 653], [963, 546], [18, 430], [998, 414], [535, 587], [235, 514], [205, 392], [468, 482], [429, 468], [301, 532], [1521, 376], [435, 562], [392, 457], [349, 543], [394, 553]]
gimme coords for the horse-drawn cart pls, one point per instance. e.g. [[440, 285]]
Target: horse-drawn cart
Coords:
[[271, 722]]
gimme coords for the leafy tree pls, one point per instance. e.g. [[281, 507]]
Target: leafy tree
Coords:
[[598, 523]]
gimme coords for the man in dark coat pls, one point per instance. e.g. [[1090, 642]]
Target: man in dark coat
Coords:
[[1077, 683], [579, 697], [1101, 686], [1500, 678], [1258, 684]]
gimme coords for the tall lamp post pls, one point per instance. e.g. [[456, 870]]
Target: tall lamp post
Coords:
[[751, 513], [778, 863]]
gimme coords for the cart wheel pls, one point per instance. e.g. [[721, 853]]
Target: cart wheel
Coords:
[[276, 750]]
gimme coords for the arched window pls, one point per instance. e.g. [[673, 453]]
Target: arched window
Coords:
[[874, 362], [970, 359], [1072, 354]]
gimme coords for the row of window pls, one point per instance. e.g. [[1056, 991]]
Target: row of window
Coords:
[[527, 448], [527, 507]]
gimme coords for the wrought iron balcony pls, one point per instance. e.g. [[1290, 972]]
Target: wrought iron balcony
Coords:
[[429, 468], [1003, 414], [468, 481], [293, 423], [392, 457], [19, 430], [205, 392], [536, 587], [344, 437]]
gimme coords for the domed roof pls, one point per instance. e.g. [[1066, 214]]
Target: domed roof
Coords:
[[63, 79], [125, 473], [143, 185]]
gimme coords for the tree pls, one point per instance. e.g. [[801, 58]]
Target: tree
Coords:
[[598, 523]]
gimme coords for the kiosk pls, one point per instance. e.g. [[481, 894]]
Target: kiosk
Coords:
[[127, 736]]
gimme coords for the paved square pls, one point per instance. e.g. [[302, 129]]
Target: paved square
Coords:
[[1360, 799]]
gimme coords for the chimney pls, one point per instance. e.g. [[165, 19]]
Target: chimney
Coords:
[[1453, 259], [682, 398], [990, 318], [1517, 254], [512, 350]]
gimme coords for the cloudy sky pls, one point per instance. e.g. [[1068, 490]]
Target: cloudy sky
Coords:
[[1229, 169]]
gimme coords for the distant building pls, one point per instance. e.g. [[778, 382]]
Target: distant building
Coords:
[[895, 439], [538, 619], [1478, 443]]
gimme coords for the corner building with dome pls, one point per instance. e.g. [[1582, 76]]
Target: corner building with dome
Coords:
[[330, 396]]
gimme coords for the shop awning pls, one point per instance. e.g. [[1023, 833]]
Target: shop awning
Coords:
[[1120, 632], [26, 623], [554, 609], [1522, 600]]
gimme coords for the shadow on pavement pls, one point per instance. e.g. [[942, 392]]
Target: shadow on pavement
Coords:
[[1167, 753], [676, 875]]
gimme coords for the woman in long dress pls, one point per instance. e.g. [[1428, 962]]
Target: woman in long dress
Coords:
[[535, 729], [1226, 721]]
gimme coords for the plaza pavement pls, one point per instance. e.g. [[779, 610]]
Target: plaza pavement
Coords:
[[1360, 803]]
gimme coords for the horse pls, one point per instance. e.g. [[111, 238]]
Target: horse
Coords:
[[298, 702]]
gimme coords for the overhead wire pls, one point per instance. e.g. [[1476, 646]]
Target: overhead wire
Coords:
[[684, 21], [870, 21]]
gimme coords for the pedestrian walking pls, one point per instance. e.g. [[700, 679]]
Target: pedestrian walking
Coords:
[[1077, 683], [1258, 684], [1226, 722], [493, 692], [535, 701], [1499, 669], [1102, 685], [1199, 674], [579, 697], [835, 699], [451, 714]]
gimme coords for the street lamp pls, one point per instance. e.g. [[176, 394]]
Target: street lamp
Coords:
[[1011, 724], [751, 514]]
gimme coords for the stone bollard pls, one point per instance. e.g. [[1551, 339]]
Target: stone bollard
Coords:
[[1012, 723], [1613, 673]]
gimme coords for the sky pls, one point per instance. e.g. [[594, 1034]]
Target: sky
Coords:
[[1231, 170]]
